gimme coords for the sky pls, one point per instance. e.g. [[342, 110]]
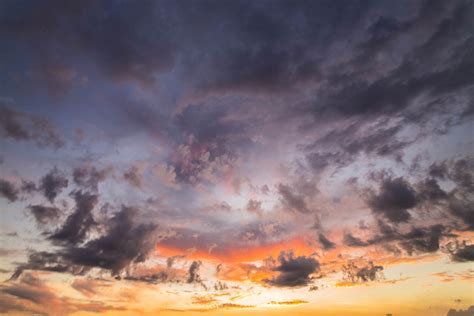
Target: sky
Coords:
[[233, 157]]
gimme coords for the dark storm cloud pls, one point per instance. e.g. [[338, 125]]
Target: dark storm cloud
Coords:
[[459, 202], [94, 31], [341, 146], [422, 240], [461, 252], [361, 92], [429, 190], [393, 200], [459, 171], [122, 243], [47, 261], [293, 271], [325, 242], [53, 183], [89, 177], [78, 224], [393, 92], [21, 126], [8, 190], [396, 196], [415, 240], [461, 208], [258, 48], [44, 214]]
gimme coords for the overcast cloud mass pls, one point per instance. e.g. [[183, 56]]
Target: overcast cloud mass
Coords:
[[260, 157]]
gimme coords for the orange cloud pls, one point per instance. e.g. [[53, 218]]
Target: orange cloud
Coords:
[[293, 302], [238, 254]]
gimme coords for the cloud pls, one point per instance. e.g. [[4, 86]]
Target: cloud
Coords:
[[44, 214], [28, 186], [89, 177], [53, 183], [467, 312], [197, 161], [12, 192], [326, 243], [193, 272], [21, 126], [46, 261], [78, 224], [167, 175], [354, 274], [8, 190], [291, 200], [89, 287], [293, 302], [414, 240], [255, 206], [460, 200], [123, 242], [32, 295], [134, 175], [394, 199], [293, 271], [116, 59], [460, 252]]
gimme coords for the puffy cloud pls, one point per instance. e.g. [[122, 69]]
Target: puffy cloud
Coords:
[[293, 271], [394, 199], [255, 206], [44, 214], [354, 274], [292, 200], [32, 295], [415, 240], [460, 252], [27, 127], [52, 184], [12, 192], [167, 175], [89, 176], [8, 190], [199, 161], [78, 224], [467, 312], [193, 272], [122, 243], [134, 174], [325, 242]]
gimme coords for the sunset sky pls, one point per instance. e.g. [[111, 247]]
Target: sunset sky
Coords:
[[224, 157]]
